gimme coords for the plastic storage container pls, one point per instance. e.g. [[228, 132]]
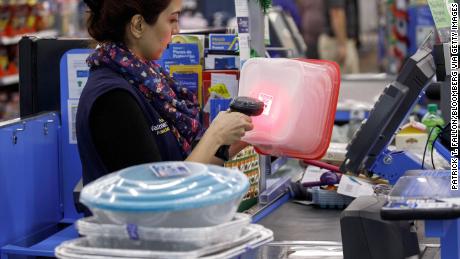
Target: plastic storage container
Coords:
[[178, 239], [300, 99], [251, 238], [167, 194]]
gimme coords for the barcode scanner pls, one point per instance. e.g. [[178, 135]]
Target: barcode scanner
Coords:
[[246, 105]]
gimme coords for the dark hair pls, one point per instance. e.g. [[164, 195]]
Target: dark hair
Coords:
[[108, 18]]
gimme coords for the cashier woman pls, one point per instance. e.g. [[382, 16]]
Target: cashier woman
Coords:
[[130, 111]]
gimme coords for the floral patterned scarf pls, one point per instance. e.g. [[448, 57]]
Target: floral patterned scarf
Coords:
[[176, 104]]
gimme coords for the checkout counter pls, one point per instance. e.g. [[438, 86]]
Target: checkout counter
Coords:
[[54, 170]]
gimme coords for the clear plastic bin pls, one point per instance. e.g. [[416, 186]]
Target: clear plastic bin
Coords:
[[179, 239], [300, 99], [252, 237]]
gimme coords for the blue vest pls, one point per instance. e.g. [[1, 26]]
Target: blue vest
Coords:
[[100, 81]]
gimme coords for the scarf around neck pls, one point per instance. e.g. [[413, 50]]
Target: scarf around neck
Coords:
[[176, 104]]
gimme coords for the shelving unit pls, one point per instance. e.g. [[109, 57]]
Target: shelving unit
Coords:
[[16, 28], [5, 41], [9, 80]]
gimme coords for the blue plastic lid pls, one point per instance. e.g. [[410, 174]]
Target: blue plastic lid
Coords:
[[165, 186]]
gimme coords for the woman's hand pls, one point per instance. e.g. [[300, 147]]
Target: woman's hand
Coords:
[[226, 129], [229, 127]]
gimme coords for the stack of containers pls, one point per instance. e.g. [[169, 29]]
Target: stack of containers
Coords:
[[165, 210], [300, 97]]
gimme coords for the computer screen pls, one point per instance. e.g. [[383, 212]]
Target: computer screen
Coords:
[[389, 112]]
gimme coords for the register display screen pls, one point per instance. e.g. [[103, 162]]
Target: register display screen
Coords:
[[390, 111]]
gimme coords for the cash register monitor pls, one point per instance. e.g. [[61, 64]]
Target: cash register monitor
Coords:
[[39, 76], [390, 111]]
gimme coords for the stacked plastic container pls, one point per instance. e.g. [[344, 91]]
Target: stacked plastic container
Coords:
[[300, 97], [166, 210]]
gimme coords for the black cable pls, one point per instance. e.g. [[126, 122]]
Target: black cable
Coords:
[[432, 146], [432, 149], [426, 145]]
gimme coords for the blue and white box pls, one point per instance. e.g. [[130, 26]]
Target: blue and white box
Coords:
[[223, 42]]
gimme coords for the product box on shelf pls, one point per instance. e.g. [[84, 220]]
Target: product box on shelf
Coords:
[[247, 161]]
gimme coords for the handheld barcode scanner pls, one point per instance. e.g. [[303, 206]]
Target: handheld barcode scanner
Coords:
[[246, 105]]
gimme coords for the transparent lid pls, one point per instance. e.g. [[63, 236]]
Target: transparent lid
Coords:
[[165, 186], [426, 185]]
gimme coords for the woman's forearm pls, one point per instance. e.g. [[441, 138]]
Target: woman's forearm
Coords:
[[205, 150], [227, 127], [207, 147]]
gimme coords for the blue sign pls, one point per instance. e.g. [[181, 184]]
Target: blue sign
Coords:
[[180, 54], [223, 42], [420, 24], [187, 80]]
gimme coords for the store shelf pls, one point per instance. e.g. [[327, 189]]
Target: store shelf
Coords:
[[9, 80], [15, 39]]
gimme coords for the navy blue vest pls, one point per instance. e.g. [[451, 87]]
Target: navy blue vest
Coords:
[[100, 81]]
